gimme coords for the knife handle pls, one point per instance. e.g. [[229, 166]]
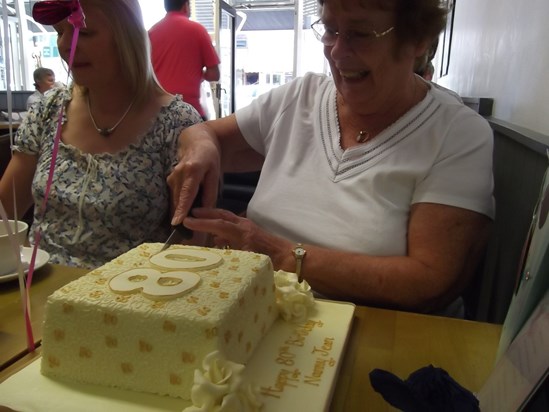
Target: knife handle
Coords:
[[197, 202]]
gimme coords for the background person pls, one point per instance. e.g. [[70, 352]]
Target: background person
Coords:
[[182, 53], [44, 80], [424, 64], [385, 178], [118, 144]]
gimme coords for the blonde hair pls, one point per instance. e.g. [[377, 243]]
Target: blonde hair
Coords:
[[132, 42]]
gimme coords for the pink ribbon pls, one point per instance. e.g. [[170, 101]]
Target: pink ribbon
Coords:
[[77, 20]]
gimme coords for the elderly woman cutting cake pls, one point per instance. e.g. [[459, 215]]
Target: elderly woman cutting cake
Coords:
[[376, 185]]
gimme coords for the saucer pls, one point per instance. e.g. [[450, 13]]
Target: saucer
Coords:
[[42, 257]]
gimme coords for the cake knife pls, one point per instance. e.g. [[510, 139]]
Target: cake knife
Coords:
[[180, 232]]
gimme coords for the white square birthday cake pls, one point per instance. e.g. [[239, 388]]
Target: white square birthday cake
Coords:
[[146, 320]]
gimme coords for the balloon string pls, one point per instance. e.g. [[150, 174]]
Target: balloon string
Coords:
[[37, 233]]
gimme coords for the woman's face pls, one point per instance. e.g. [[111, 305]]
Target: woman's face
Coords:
[[370, 73], [46, 83], [96, 60]]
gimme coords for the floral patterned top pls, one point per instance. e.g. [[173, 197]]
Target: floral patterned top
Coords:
[[101, 205]]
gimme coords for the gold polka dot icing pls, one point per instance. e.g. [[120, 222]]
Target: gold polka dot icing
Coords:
[[110, 319], [210, 333], [145, 346], [67, 308], [204, 310], [158, 304], [85, 352], [192, 299], [187, 357], [126, 367], [175, 379], [123, 299], [111, 342], [59, 334], [53, 362], [169, 326]]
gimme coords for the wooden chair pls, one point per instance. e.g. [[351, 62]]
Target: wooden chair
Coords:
[[237, 190]]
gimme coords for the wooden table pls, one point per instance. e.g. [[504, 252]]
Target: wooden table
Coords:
[[5, 126], [399, 342]]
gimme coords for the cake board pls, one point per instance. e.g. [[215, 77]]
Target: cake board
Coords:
[[295, 367]]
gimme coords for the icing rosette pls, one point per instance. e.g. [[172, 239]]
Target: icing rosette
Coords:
[[293, 298], [220, 387]]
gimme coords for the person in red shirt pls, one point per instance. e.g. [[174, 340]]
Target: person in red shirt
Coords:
[[182, 53]]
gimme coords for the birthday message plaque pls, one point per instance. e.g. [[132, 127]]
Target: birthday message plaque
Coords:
[[294, 368]]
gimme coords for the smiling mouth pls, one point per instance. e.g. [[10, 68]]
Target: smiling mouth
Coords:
[[355, 75]]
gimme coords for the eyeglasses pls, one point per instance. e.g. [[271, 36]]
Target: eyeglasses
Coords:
[[355, 38], [53, 11]]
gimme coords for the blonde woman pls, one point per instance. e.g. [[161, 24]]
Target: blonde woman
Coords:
[[118, 143]]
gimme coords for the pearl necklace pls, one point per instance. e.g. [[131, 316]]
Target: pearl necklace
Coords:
[[107, 131]]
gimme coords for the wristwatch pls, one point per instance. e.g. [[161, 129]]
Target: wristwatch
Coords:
[[299, 254]]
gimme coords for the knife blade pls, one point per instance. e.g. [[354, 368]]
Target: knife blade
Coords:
[[180, 232]]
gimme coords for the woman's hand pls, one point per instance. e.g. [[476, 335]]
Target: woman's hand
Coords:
[[205, 151], [198, 166], [230, 230]]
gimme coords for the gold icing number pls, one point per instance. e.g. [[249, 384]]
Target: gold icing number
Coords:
[[186, 259], [153, 284]]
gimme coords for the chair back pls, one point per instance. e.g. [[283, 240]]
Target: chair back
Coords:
[[519, 164], [5, 152]]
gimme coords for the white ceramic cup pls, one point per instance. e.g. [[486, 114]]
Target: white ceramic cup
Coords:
[[8, 259]]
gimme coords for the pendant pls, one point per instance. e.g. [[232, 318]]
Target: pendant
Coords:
[[362, 136], [104, 132]]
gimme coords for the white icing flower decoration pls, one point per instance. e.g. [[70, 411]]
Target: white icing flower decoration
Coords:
[[292, 297], [220, 387]]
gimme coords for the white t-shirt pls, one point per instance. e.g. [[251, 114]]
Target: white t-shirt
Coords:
[[359, 199], [33, 98]]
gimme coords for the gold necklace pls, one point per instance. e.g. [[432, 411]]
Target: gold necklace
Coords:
[[107, 131], [364, 136]]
